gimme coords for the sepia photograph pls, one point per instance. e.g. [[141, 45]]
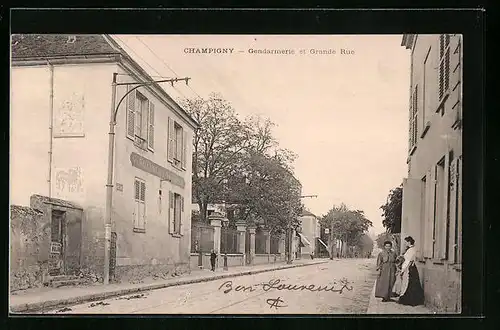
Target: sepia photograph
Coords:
[[235, 174]]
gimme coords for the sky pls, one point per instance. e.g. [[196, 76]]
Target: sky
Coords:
[[345, 114]]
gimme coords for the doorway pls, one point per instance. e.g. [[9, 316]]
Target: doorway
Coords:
[[57, 243]]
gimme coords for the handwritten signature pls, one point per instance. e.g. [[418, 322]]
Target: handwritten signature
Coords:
[[275, 303], [278, 284]]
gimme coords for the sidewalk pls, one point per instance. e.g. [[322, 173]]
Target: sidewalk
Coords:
[[376, 306], [47, 298]]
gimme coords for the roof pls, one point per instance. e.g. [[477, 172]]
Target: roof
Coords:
[[48, 45], [40, 46], [407, 40], [306, 213]]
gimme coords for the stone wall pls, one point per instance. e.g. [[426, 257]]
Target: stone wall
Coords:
[[141, 273], [442, 287], [29, 247]]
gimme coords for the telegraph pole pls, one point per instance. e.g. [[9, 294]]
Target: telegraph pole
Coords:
[[111, 145]]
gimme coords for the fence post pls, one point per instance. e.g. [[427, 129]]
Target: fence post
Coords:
[[251, 231], [216, 222], [241, 228], [267, 243]]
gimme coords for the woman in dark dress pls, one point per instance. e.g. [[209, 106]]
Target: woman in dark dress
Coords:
[[412, 293], [386, 265]]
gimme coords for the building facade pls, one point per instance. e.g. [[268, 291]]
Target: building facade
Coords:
[[432, 192], [61, 103], [310, 232]]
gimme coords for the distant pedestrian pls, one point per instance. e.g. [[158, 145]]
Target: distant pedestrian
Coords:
[[386, 265], [412, 293], [213, 257]]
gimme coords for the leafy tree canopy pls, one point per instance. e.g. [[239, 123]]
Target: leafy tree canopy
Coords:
[[392, 209]]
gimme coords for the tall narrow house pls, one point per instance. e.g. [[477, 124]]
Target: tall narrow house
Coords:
[[432, 192], [61, 105]]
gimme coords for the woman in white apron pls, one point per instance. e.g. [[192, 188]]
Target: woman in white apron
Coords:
[[412, 293]]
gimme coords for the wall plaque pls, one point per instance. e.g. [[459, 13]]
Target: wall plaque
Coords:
[[155, 169]]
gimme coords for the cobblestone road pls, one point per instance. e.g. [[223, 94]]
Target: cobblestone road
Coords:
[[317, 289]]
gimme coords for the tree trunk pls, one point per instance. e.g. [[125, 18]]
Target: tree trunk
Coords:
[[203, 211]]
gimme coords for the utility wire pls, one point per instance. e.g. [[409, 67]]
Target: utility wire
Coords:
[[165, 63], [146, 62]]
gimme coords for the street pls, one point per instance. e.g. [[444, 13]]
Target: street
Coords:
[[336, 287]]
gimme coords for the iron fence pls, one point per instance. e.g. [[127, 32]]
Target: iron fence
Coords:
[[202, 238], [275, 244], [229, 241], [260, 243]]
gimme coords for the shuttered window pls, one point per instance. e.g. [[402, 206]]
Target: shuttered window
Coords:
[[140, 205], [444, 65], [131, 114], [140, 120], [151, 126], [413, 119], [176, 214], [177, 144]]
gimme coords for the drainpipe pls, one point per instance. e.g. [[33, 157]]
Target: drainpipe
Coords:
[[109, 185], [51, 125]]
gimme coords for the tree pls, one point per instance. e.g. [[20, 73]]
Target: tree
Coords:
[[239, 162], [346, 225], [217, 144], [266, 189], [365, 246], [392, 210]]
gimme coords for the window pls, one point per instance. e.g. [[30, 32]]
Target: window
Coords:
[[425, 99], [439, 194], [140, 120], [140, 205], [444, 66], [177, 144], [423, 217], [141, 110], [413, 119], [176, 214], [458, 210]]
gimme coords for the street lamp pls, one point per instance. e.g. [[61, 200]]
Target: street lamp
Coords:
[[111, 146], [225, 225]]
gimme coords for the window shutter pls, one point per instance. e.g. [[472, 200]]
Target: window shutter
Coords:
[[182, 215], [459, 209], [427, 217], [447, 69], [143, 192], [142, 217], [432, 202], [151, 128], [136, 214], [171, 216], [170, 146], [137, 190], [415, 113], [444, 211], [184, 150], [453, 209], [130, 113]]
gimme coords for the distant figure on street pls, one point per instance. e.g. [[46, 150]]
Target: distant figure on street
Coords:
[[386, 265], [213, 257], [412, 293]]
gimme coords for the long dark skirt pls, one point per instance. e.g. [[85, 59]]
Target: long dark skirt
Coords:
[[414, 294]]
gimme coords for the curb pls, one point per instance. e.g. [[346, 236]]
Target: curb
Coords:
[[39, 306]]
